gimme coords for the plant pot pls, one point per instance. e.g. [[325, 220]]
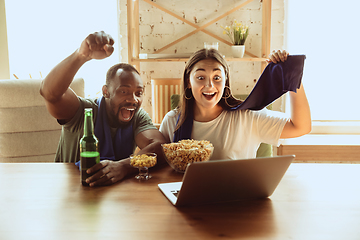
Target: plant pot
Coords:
[[238, 51]]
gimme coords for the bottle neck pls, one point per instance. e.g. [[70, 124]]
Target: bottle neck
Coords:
[[88, 123]]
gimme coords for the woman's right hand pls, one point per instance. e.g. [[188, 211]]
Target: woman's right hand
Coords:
[[98, 45]]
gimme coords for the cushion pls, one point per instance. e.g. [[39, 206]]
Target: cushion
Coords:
[[264, 150], [28, 133]]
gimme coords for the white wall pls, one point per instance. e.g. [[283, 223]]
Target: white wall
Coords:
[[158, 29]]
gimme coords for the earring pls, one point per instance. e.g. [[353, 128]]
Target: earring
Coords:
[[187, 98], [229, 105], [228, 94]]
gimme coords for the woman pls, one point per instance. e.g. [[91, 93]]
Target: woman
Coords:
[[207, 99]]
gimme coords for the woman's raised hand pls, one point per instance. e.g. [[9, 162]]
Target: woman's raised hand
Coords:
[[277, 56]]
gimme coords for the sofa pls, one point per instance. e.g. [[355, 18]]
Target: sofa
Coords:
[[28, 133]]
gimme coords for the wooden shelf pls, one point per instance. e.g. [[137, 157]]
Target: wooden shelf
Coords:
[[186, 59], [183, 59], [134, 35]]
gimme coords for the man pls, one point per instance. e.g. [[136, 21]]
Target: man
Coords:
[[120, 123]]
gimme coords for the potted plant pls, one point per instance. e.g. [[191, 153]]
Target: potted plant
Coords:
[[237, 33]]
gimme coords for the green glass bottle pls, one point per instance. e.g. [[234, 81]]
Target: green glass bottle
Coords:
[[89, 147]]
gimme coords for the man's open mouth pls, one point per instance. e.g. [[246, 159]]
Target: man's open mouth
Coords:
[[127, 113]]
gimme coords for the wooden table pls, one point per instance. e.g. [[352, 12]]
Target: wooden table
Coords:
[[322, 148], [46, 201]]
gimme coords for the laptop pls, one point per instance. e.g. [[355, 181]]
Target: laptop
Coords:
[[227, 180]]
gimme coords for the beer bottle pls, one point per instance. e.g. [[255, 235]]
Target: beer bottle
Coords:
[[89, 147]]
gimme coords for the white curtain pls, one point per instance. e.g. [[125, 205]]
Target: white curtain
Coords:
[[327, 32], [41, 33]]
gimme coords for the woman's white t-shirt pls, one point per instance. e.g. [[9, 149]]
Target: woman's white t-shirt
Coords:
[[234, 134]]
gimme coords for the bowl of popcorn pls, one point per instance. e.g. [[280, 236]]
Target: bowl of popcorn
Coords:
[[143, 162], [181, 153]]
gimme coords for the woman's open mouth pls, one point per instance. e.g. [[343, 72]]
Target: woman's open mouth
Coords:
[[209, 95]]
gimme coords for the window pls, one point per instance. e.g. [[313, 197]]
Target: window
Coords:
[[327, 32], [42, 33]]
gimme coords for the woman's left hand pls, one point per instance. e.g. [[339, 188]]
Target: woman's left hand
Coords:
[[277, 56]]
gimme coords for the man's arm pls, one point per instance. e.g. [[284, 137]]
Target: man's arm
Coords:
[[149, 141], [108, 172], [61, 101]]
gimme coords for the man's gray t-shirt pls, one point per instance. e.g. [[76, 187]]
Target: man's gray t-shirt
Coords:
[[72, 131]]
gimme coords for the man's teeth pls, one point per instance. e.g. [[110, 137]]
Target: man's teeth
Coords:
[[127, 112]]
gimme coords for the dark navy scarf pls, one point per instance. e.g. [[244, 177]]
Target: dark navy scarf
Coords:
[[276, 80], [122, 146]]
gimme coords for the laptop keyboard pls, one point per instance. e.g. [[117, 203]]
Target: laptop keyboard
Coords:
[[175, 192]]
